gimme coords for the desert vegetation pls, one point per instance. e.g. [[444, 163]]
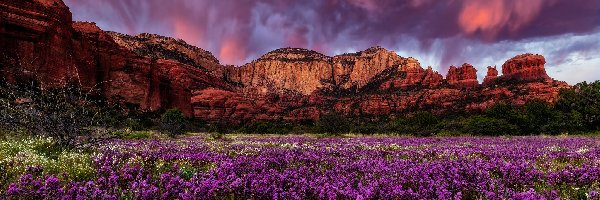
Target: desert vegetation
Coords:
[[576, 112], [67, 143]]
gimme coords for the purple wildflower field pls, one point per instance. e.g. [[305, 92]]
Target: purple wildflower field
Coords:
[[306, 167]]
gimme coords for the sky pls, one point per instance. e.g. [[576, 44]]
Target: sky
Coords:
[[439, 33]]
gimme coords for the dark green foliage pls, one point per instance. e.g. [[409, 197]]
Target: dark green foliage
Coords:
[[501, 111], [133, 135], [538, 114], [563, 123], [173, 122], [134, 124], [420, 124], [452, 126], [423, 119], [369, 128], [583, 103], [268, 128], [219, 128], [480, 125], [333, 123]]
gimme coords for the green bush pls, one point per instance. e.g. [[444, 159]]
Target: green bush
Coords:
[[419, 124], [219, 128], [451, 126], [173, 122], [501, 111], [480, 125], [265, 128], [137, 135], [539, 114], [134, 124], [564, 123], [582, 102], [333, 123]]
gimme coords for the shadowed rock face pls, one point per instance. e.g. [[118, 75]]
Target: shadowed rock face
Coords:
[[39, 42]]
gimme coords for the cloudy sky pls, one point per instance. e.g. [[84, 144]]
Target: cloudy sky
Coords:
[[438, 33]]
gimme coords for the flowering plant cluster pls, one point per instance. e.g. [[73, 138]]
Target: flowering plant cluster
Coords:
[[303, 167]]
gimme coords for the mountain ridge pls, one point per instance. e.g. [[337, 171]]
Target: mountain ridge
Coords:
[[152, 72]]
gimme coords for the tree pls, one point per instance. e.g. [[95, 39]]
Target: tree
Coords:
[[480, 125], [538, 115], [333, 123], [73, 117], [501, 111], [420, 124], [173, 122], [583, 100]]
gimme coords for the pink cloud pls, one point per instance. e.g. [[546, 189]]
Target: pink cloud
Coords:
[[186, 31], [231, 51], [491, 17]]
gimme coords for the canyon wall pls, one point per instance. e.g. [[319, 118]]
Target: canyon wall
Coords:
[[40, 43]]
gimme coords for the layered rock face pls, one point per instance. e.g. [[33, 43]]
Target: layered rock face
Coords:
[[464, 76], [39, 42], [491, 77], [285, 70], [525, 67], [293, 70], [166, 48], [34, 39], [400, 88]]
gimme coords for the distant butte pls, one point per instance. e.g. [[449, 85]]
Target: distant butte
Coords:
[[39, 41]]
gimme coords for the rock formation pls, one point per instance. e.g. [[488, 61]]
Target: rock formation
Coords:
[[432, 78], [464, 76], [525, 67], [39, 42], [491, 77]]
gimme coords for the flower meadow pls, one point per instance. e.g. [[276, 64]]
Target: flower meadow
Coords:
[[307, 167]]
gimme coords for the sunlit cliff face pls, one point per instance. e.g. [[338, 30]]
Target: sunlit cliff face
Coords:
[[438, 33]]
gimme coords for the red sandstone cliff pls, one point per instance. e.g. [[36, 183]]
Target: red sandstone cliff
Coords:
[[464, 76], [39, 42], [525, 67]]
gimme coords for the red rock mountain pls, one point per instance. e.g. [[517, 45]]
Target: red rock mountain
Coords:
[[39, 42]]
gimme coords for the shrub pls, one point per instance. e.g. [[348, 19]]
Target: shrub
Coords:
[[582, 100], [71, 116], [538, 115], [423, 119], [501, 111], [134, 124], [133, 135], [564, 123], [333, 123], [368, 128], [173, 122], [451, 126], [480, 125], [260, 128], [420, 124], [219, 128]]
